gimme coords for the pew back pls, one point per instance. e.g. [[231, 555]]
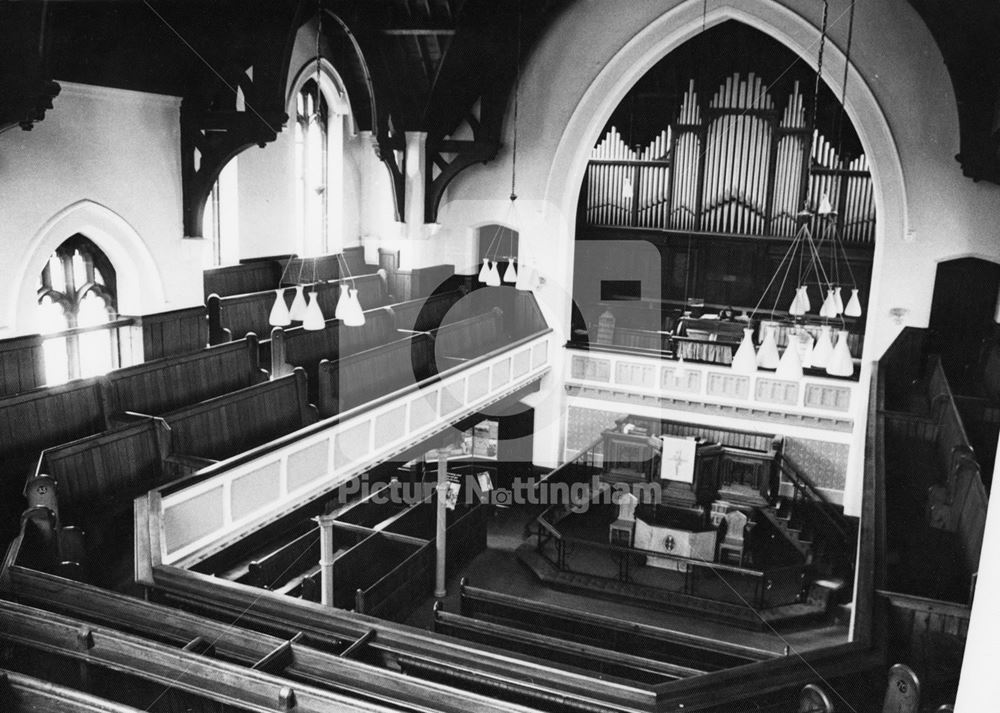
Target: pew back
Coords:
[[50, 415], [235, 316], [158, 386], [249, 276], [300, 347], [356, 379], [425, 313], [179, 331], [111, 467], [226, 425], [22, 364], [469, 338]]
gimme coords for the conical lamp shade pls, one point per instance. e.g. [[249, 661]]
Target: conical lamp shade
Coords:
[[484, 271], [823, 349], [279, 316], [493, 276], [824, 205], [853, 308], [313, 318], [298, 309], [744, 360], [840, 363], [355, 316], [342, 303], [767, 354], [803, 293], [795, 309], [828, 309], [525, 278], [790, 366], [510, 274], [838, 301]]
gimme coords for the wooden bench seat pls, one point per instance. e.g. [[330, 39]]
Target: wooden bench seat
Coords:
[[607, 632], [227, 425], [155, 387], [551, 648]]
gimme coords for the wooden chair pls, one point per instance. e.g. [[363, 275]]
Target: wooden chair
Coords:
[[731, 547]]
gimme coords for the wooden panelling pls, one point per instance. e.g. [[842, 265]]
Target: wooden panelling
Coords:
[[591, 369], [776, 391], [468, 338], [929, 635], [47, 416], [106, 469], [22, 365], [226, 425], [825, 396], [173, 333], [165, 384], [419, 282], [295, 346], [729, 386], [250, 276], [424, 313], [367, 375]]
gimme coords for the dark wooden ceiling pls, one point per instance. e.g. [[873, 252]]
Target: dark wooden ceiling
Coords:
[[409, 64]]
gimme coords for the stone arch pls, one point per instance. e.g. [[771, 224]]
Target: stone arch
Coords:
[[140, 284]]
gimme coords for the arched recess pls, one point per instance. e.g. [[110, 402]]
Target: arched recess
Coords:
[[628, 64], [140, 284], [661, 37]]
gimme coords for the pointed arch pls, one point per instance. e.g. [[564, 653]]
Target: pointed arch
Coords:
[[140, 284]]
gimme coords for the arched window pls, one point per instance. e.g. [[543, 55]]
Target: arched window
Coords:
[[77, 292], [220, 224], [312, 141]]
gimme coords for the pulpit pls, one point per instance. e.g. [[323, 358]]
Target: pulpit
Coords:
[[662, 534], [688, 477]]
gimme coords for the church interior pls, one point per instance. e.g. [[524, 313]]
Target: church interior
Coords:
[[499, 355]]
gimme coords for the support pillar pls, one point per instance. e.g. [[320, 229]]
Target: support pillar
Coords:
[[440, 588], [326, 552]]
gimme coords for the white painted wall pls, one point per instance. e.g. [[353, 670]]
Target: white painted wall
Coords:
[[112, 154], [899, 97]]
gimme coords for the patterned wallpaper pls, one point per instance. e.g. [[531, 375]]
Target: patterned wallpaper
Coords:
[[584, 426], [824, 463]]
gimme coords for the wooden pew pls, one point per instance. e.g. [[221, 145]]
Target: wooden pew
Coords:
[[471, 337], [22, 364], [425, 313], [100, 474], [161, 385], [134, 666], [418, 282], [253, 275], [277, 567], [172, 333], [295, 346], [226, 425], [702, 653], [234, 316], [554, 649], [25, 694], [361, 377], [32, 421]]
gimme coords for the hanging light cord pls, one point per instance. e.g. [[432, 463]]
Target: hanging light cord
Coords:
[[517, 87], [815, 105]]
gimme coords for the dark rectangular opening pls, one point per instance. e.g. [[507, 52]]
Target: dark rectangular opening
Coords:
[[621, 290]]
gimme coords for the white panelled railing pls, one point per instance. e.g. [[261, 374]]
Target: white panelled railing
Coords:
[[238, 496]]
